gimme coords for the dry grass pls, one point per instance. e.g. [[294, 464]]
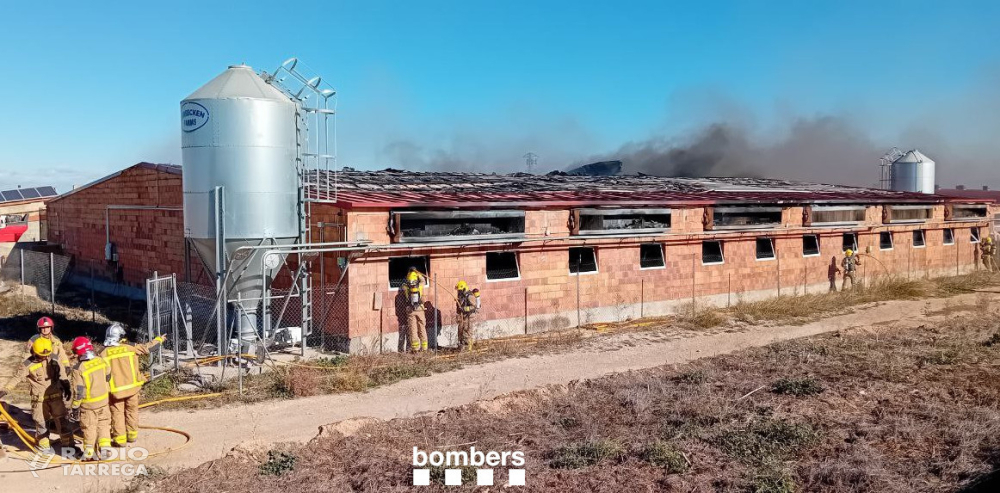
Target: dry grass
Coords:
[[362, 372], [894, 416]]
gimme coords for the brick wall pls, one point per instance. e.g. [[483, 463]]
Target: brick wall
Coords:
[[146, 240], [546, 295]]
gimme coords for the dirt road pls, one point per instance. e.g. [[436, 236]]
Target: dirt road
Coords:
[[216, 431]]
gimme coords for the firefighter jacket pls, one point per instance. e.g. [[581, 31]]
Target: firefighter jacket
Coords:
[[466, 303], [90, 384], [43, 377], [123, 363]]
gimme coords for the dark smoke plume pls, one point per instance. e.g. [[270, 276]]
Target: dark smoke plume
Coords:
[[824, 149]]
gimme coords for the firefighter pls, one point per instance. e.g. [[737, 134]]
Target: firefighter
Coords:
[[850, 265], [988, 252], [46, 327], [416, 320], [126, 382], [466, 303], [48, 389], [90, 379]]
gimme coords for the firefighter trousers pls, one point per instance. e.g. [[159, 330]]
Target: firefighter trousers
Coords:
[[51, 409], [124, 419], [847, 275], [96, 427], [416, 322], [465, 331]]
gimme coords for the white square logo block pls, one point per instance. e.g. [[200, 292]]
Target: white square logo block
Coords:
[[421, 477], [453, 477], [484, 477], [515, 477]]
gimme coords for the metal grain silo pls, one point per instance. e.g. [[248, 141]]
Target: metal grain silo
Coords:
[[239, 133], [913, 172]]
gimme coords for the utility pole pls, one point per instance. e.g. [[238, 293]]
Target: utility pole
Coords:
[[530, 161]]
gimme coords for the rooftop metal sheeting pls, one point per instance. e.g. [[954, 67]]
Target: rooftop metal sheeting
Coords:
[[397, 188]]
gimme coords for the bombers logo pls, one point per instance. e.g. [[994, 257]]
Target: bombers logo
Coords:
[[193, 116]]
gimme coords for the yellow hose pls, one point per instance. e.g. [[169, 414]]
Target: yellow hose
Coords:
[[57, 461]]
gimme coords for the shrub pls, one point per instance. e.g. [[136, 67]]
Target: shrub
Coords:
[[585, 454], [797, 386], [277, 463], [662, 454]]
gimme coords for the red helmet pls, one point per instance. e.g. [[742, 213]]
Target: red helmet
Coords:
[[45, 322], [82, 345]]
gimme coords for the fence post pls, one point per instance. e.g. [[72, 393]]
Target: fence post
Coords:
[[729, 292], [525, 311], [642, 298], [578, 292], [52, 281], [93, 306], [777, 257], [693, 267], [20, 259], [173, 320], [435, 311]]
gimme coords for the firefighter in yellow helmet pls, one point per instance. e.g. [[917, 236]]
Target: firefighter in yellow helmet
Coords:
[[850, 265], [46, 329], [90, 379], [48, 389], [466, 304], [989, 251], [416, 320], [126, 382]]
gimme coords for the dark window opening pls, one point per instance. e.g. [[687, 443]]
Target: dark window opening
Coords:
[[918, 238], [949, 236], [423, 226], [910, 213], [835, 215], [711, 252], [885, 240], [399, 267], [651, 256], [810, 245], [582, 259], [974, 235], [501, 265], [597, 221], [746, 217], [850, 241], [765, 249], [968, 211]]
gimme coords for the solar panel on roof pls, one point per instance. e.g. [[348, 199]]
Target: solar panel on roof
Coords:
[[11, 195], [46, 191], [30, 193]]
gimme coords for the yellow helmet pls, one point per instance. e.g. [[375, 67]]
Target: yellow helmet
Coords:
[[412, 276], [849, 252], [42, 347], [989, 239], [462, 286]]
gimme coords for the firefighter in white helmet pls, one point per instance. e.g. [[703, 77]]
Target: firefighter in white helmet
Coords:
[[126, 382]]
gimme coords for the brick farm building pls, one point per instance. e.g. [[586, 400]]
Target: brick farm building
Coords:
[[548, 252]]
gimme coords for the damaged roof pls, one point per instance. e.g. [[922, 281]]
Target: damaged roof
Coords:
[[397, 188]]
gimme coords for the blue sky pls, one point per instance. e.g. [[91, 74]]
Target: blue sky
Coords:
[[90, 88]]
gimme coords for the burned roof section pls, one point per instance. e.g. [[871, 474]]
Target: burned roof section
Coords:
[[413, 189]]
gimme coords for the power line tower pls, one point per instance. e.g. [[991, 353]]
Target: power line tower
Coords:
[[530, 161]]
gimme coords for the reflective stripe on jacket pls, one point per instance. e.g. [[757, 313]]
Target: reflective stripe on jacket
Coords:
[[90, 384], [123, 361]]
